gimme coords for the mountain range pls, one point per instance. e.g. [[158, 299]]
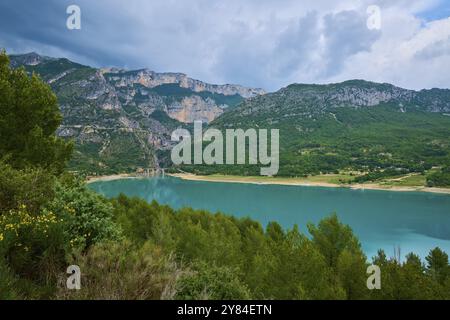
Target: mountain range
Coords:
[[121, 120]]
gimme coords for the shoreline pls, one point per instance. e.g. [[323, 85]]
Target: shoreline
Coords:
[[91, 179], [302, 182], [274, 181]]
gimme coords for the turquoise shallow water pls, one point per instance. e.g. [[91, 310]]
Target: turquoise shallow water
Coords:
[[415, 221]]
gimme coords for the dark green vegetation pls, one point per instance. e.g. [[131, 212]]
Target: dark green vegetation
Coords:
[[378, 129], [29, 116], [129, 249], [440, 178]]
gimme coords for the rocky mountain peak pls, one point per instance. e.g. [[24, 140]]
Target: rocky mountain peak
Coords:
[[151, 79], [28, 59]]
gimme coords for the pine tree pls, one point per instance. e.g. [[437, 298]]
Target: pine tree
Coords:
[[29, 117]]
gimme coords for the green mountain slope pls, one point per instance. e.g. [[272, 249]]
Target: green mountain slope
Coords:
[[354, 125]]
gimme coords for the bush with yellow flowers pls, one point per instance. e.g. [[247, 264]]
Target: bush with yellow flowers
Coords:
[[88, 217], [32, 244]]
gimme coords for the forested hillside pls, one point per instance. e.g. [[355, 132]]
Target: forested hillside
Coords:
[[377, 130]]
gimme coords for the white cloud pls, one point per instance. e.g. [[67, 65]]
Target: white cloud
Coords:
[[416, 58], [266, 43]]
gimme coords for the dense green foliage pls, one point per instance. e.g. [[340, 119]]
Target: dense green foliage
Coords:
[[440, 178], [186, 253], [236, 258], [130, 249], [29, 116], [43, 219], [193, 254], [124, 153], [87, 216]]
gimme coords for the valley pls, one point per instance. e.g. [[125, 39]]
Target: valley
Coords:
[[121, 122], [200, 155]]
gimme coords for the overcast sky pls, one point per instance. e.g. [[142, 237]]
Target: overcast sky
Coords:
[[259, 43]]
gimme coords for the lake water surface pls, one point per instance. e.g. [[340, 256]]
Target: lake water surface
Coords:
[[414, 221]]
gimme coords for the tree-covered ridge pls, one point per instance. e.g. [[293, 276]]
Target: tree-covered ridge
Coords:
[[376, 129], [130, 249]]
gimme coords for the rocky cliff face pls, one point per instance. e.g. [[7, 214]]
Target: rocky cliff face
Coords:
[[151, 79], [30, 59], [308, 101], [193, 108], [119, 119], [182, 98]]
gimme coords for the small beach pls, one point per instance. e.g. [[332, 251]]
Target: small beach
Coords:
[[305, 182]]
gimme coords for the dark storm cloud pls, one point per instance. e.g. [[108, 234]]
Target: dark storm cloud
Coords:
[[41, 26], [263, 43]]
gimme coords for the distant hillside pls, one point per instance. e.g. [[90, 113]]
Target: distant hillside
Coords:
[[116, 116], [354, 125]]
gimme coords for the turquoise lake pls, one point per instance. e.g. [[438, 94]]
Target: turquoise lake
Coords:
[[413, 221]]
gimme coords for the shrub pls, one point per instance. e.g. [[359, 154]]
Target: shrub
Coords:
[[33, 246], [8, 283], [123, 271], [211, 282], [30, 187], [439, 179], [87, 215], [142, 221]]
